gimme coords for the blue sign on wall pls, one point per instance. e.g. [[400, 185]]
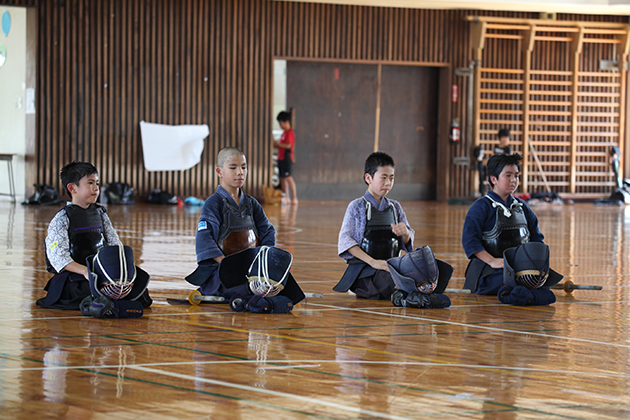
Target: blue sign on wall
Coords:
[[6, 23]]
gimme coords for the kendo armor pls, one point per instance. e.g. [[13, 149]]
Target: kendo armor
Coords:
[[112, 272], [379, 241], [238, 229], [416, 271], [510, 229], [528, 265], [85, 232]]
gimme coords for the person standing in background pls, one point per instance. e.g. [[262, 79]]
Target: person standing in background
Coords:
[[285, 147], [504, 143]]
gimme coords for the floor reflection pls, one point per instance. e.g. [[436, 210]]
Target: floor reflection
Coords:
[[477, 359]]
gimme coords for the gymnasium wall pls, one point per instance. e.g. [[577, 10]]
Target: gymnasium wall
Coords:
[[12, 100], [106, 65]]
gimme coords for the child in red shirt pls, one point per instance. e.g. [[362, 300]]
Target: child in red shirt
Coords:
[[285, 157]]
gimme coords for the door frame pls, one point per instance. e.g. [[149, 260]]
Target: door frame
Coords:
[[444, 109]]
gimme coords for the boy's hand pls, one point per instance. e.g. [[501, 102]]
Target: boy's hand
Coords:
[[496, 263], [379, 265], [374, 263], [489, 259], [75, 267], [400, 229]]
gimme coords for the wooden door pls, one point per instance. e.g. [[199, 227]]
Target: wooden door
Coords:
[[336, 121], [408, 128]]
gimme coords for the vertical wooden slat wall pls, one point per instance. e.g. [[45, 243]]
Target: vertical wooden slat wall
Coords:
[[19, 3], [106, 65]]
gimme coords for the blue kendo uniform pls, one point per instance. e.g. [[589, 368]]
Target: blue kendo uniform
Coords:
[[225, 228]]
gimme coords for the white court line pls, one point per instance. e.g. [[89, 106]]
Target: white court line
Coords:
[[287, 367], [325, 308], [175, 284], [317, 363], [288, 230], [474, 305], [328, 244], [247, 388], [482, 327], [105, 319], [556, 303], [319, 282], [590, 394], [317, 262]]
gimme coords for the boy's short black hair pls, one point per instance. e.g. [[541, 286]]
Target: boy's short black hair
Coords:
[[496, 163], [504, 132], [375, 161], [284, 116], [73, 172]]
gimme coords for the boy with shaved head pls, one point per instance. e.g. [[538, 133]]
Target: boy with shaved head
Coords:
[[230, 221]]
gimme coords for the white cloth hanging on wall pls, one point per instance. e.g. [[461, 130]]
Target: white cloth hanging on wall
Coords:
[[172, 147]]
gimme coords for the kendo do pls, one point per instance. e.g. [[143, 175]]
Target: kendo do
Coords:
[[380, 243]]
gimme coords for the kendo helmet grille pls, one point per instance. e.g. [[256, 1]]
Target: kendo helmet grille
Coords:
[[115, 284]]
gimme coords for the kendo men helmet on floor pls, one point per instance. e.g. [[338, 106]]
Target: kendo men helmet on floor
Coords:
[[528, 265], [420, 271], [115, 284], [263, 271], [420, 279], [269, 270], [527, 276], [259, 280], [113, 273]]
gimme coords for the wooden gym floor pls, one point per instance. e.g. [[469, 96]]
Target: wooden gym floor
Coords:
[[331, 358]]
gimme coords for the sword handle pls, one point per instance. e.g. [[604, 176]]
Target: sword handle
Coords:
[[458, 291], [195, 298], [568, 286]]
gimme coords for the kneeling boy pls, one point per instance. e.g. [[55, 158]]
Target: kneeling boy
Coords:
[[230, 221], [76, 232], [374, 230], [494, 223]]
